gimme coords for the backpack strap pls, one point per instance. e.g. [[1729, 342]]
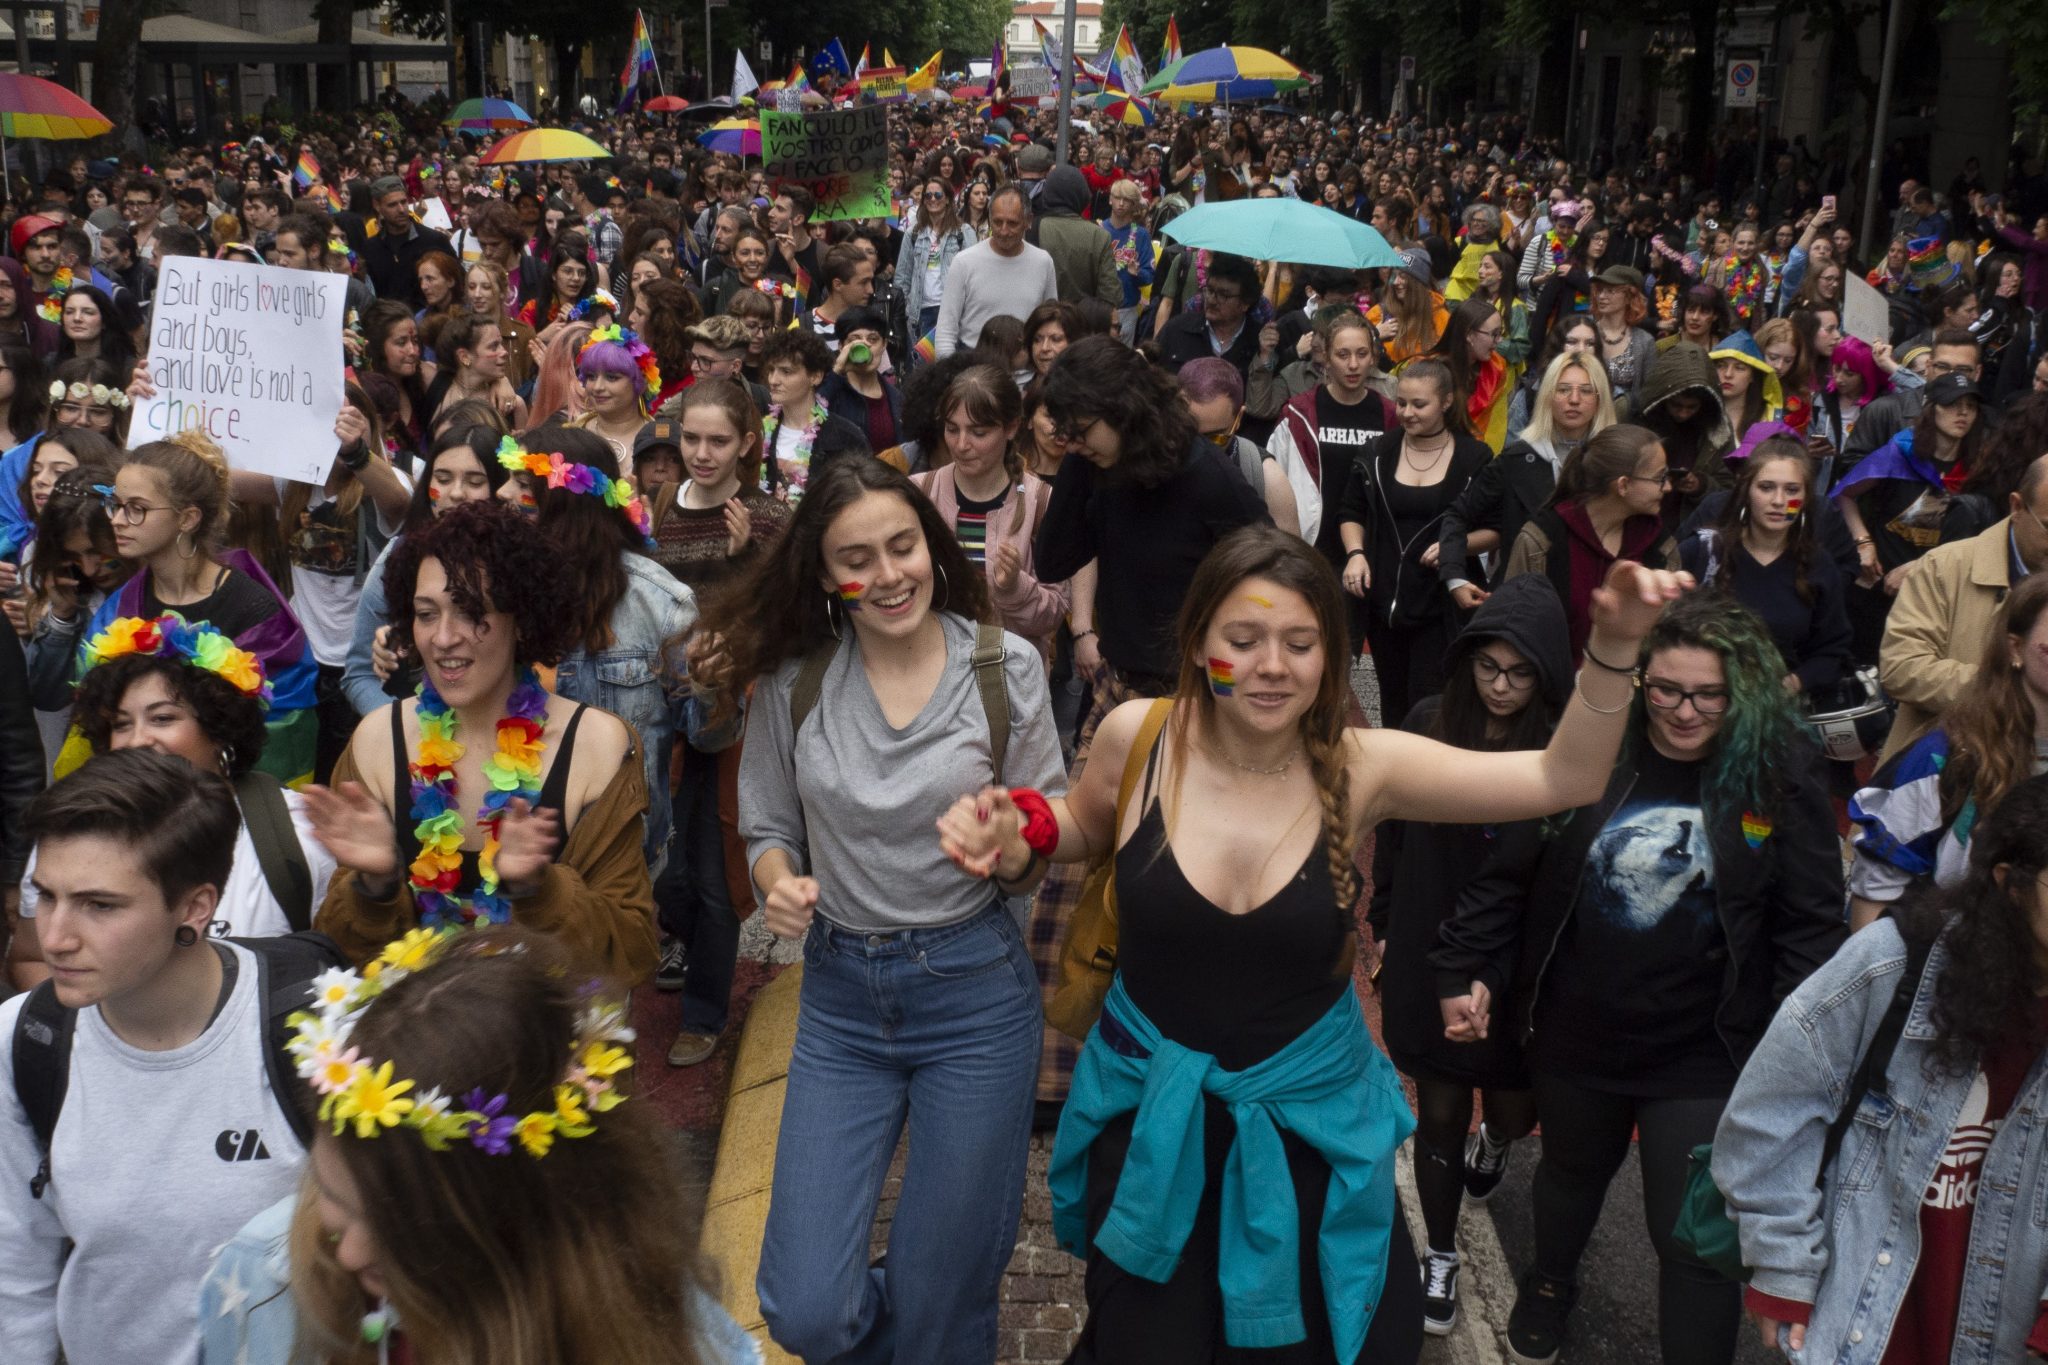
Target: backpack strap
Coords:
[[995, 692], [1138, 761], [285, 968], [1877, 1058], [285, 869], [42, 1069], [810, 681]]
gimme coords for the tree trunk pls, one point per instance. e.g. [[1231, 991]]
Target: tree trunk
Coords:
[[333, 93], [116, 69], [1700, 78], [568, 73]]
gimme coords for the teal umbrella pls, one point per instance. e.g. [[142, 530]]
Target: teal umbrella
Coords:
[[1284, 230]]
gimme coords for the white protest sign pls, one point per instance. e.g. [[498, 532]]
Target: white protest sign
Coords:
[[251, 355], [1865, 314], [434, 214], [1030, 82]]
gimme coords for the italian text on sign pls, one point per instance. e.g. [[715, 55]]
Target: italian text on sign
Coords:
[[841, 156]]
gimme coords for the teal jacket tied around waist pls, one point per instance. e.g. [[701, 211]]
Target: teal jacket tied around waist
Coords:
[[1331, 1087]]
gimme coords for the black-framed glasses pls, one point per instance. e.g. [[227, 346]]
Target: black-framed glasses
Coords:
[[1663, 479], [1073, 433], [1486, 669], [1666, 697]]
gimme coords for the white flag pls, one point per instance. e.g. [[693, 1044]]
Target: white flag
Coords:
[[743, 81]]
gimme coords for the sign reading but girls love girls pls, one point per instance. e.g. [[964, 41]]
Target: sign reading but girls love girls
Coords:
[[251, 355]]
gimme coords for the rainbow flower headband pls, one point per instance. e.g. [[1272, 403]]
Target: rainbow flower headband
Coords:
[[360, 1092], [596, 301], [170, 636], [577, 478], [650, 372]]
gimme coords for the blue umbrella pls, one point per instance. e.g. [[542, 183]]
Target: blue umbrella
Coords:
[[1284, 230]]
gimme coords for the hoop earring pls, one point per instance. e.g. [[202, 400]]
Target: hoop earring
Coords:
[[832, 622], [227, 761], [944, 586], [1742, 514], [186, 538], [186, 936]]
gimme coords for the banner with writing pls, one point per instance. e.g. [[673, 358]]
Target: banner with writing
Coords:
[[885, 85], [251, 355], [842, 157]]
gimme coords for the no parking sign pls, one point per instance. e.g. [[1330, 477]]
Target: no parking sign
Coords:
[[1742, 82]]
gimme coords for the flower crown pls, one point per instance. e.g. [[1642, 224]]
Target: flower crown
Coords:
[[596, 301], [78, 391], [650, 372], [171, 636], [360, 1092], [577, 478]]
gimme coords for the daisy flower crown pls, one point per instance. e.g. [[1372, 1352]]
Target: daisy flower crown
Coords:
[[556, 472], [360, 1094], [171, 636], [650, 372], [78, 391]]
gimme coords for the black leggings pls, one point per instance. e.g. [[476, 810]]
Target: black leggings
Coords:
[[1443, 1116], [1409, 663], [1585, 1140]]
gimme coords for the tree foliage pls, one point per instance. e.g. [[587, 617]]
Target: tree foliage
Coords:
[[2021, 28]]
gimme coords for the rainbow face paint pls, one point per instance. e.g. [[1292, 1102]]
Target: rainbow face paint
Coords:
[[433, 493], [1222, 677], [1259, 601], [1792, 506], [850, 595]]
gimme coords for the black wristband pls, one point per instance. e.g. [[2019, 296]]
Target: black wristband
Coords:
[[1349, 553], [356, 457], [1598, 662]]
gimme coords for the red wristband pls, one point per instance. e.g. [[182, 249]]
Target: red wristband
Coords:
[[1041, 831]]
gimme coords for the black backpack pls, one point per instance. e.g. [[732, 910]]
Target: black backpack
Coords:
[[285, 968]]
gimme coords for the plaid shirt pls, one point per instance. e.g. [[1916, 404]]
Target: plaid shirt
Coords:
[[606, 239]]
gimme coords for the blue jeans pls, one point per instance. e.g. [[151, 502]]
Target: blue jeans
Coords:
[[691, 898], [942, 1027]]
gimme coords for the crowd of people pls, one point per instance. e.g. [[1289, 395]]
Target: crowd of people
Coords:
[[975, 594]]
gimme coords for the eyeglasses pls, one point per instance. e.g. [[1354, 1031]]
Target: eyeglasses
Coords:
[[133, 512], [1937, 368], [1662, 478], [1070, 433], [1665, 697], [1210, 291], [1223, 437], [707, 362], [1486, 670]]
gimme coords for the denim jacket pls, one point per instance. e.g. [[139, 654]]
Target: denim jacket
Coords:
[[359, 680], [246, 1315], [1849, 1247], [626, 677]]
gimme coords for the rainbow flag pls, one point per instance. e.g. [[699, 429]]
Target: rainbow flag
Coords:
[[1171, 53], [860, 66], [998, 62], [1124, 59], [306, 171], [639, 63], [927, 347]]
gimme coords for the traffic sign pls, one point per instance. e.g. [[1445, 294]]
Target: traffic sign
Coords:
[[1743, 74]]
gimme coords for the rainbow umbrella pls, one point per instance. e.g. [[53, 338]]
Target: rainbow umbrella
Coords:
[[1120, 105], [544, 144], [33, 107], [1229, 74], [488, 116], [734, 136]]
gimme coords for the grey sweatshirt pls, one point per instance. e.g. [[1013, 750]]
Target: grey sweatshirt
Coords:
[[855, 802], [152, 1170], [982, 283]]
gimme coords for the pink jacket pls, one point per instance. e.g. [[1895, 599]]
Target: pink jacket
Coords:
[[1030, 608]]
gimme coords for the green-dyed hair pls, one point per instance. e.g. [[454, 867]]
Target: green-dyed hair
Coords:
[[1760, 734]]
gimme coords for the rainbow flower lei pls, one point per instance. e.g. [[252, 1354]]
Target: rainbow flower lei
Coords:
[[514, 774], [578, 478], [643, 356], [596, 301], [360, 1094], [52, 306], [170, 636]]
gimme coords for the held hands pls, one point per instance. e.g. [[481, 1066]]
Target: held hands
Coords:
[[1633, 597], [980, 829], [1767, 1328], [1466, 1016], [355, 828], [790, 906], [527, 840]]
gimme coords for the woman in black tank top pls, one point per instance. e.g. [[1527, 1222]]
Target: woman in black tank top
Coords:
[[1236, 894]]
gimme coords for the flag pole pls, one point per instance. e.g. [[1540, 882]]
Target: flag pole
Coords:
[[1064, 86]]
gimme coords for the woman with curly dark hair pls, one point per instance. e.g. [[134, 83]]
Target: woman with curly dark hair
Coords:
[[545, 825], [663, 311], [183, 689], [875, 690], [1857, 1208]]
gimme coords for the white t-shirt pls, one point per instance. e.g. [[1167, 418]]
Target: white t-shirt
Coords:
[[325, 603], [246, 909]]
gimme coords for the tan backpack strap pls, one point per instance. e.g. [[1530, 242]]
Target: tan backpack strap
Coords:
[[1134, 761], [995, 692], [810, 681]]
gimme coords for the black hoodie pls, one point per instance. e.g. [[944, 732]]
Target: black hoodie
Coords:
[[1418, 869]]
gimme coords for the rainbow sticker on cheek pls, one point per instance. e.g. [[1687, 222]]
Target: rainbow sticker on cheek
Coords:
[[1222, 677], [850, 595]]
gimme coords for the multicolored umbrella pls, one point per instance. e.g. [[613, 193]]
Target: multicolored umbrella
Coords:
[[733, 136], [1120, 105], [33, 107], [488, 116], [544, 144], [1228, 73]]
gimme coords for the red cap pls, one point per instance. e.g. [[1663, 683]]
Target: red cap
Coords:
[[28, 228]]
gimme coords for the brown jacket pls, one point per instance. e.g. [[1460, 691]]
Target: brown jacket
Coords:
[[595, 899], [1938, 627]]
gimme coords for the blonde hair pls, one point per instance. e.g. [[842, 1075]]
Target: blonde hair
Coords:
[[1540, 431], [194, 473]]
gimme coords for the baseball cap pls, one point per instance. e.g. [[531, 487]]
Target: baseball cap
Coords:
[[662, 431], [386, 184], [1951, 388]]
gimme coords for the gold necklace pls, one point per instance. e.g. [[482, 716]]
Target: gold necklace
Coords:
[[1252, 768]]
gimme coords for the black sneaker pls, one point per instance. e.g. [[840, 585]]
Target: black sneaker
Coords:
[[1536, 1326], [670, 971], [1439, 1293], [1485, 1163]]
